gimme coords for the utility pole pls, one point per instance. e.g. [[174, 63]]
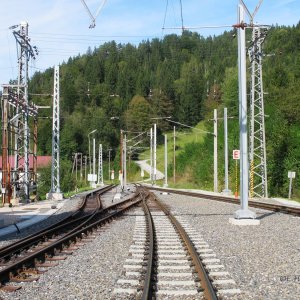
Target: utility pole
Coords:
[[22, 147], [174, 154], [55, 192], [124, 162], [94, 163], [151, 156], [215, 151], [76, 166], [35, 139], [100, 167], [80, 165], [121, 160], [154, 152], [166, 161], [226, 190], [90, 160], [244, 212], [5, 154], [109, 150], [85, 167]]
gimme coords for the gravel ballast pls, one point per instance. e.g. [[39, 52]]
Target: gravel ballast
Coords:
[[90, 272], [70, 205], [263, 260]]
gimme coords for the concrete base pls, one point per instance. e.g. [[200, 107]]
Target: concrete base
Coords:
[[245, 214], [227, 192], [244, 222], [117, 196], [15, 201], [55, 196]]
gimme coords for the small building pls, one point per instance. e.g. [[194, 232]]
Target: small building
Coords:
[[42, 162]]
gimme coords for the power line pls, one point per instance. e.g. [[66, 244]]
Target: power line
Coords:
[[92, 36], [182, 28], [184, 125], [165, 14], [200, 27]]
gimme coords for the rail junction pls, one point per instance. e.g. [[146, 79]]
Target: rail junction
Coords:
[[151, 248]]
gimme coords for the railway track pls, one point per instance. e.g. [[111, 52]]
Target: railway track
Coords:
[[22, 261], [267, 206], [168, 258], [91, 203]]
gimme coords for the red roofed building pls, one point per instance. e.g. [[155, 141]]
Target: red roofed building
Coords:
[[42, 161]]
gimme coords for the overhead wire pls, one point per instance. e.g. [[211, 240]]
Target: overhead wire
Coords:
[[181, 14], [165, 16], [9, 54]]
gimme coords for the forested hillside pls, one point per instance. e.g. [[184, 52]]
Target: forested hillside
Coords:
[[118, 86]]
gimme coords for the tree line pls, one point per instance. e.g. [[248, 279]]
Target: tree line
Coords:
[[122, 86]]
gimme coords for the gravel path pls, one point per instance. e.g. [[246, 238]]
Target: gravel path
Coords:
[[263, 260]]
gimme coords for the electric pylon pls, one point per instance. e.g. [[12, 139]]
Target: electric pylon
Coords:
[[100, 167], [257, 145], [18, 110], [55, 167]]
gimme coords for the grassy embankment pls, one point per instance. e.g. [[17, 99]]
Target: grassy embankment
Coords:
[[183, 174]]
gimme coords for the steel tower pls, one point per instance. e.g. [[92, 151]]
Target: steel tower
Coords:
[[15, 120], [55, 168], [257, 143]]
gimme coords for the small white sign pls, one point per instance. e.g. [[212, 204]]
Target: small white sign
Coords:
[[142, 173], [291, 174], [236, 154], [112, 175], [92, 177]]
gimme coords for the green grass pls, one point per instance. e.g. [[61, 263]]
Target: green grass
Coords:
[[80, 190], [183, 137]]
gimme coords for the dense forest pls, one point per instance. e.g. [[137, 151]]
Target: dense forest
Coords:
[[123, 86]]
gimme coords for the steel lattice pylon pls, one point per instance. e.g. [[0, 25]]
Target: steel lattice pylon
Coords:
[[257, 144], [15, 122], [5, 156], [100, 166], [55, 183]]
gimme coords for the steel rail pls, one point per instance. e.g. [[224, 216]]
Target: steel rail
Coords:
[[208, 289], [42, 235], [267, 206], [147, 290], [41, 255]]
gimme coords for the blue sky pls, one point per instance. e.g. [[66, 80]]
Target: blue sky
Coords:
[[60, 28]]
